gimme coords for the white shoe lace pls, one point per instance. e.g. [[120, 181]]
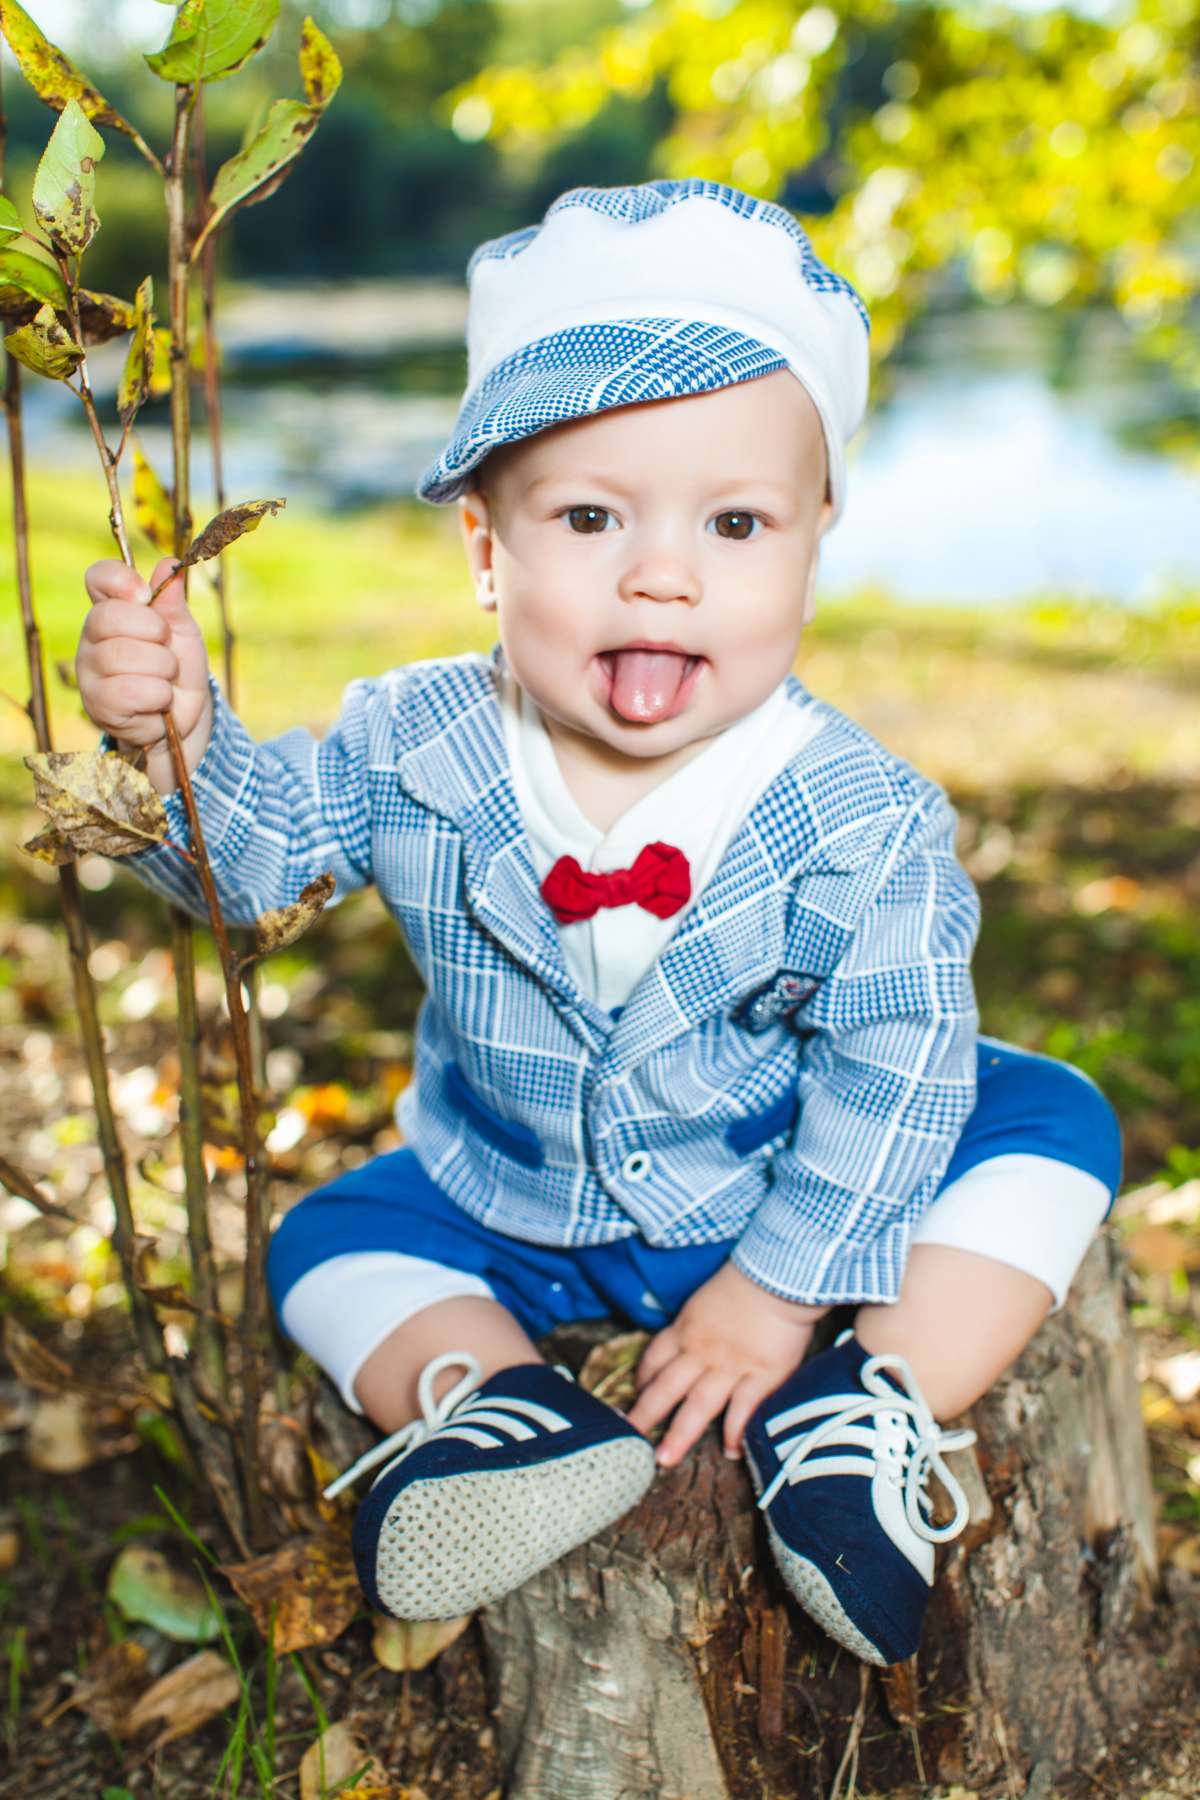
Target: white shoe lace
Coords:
[[926, 1444], [436, 1414]]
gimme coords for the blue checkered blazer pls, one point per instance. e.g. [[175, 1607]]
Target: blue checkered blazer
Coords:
[[792, 1072]]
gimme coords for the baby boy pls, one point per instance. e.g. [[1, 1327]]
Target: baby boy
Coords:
[[699, 1048]]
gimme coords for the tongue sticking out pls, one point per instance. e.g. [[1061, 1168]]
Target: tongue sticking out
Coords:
[[646, 683]]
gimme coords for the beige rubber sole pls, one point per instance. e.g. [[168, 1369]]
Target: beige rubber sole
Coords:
[[454, 1544]]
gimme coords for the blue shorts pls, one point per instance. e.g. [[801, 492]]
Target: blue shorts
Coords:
[[1027, 1104]]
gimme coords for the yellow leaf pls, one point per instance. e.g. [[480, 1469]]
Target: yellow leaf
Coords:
[[53, 76], [44, 346], [152, 506], [134, 385], [320, 69]]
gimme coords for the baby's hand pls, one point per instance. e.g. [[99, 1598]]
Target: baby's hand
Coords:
[[135, 662], [731, 1345]]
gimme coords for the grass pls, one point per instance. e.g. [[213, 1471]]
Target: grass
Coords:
[[975, 697]]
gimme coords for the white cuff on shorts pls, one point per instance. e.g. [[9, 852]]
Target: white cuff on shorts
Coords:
[[1032, 1212], [343, 1309]]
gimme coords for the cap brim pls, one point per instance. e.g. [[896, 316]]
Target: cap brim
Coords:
[[589, 369]]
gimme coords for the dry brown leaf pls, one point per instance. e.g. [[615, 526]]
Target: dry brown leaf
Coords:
[[901, 1692], [1185, 1555], [59, 1440], [1160, 1250], [41, 1369], [611, 1369], [311, 1584], [399, 1644], [285, 1463], [282, 925], [225, 529], [103, 316], [112, 1685], [185, 1699], [10, 1550], [336, 1756], [48, 847], [97, 801]]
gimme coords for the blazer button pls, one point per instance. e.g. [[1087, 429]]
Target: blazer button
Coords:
[[637, 1165]]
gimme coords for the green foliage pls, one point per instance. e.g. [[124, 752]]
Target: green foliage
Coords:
[[1049, 157], [211, 39], [256, 171]]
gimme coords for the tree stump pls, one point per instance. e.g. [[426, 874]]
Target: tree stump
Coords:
[[664, 1660]]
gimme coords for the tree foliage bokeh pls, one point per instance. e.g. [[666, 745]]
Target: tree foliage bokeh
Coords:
[[1049, 157]]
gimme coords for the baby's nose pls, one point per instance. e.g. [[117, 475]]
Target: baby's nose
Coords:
[[661, 577]]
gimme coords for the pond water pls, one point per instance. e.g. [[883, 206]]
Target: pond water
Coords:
[[1010, 458]]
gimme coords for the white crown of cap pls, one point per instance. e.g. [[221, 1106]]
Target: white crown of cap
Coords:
[[697, 257]]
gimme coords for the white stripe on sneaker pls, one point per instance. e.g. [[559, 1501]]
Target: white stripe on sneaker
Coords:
[[530, 1409]]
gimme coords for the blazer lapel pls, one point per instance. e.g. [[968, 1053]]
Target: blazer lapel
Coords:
[[460, 768]]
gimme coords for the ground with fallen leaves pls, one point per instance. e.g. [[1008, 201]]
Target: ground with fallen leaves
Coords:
[[1072, 754]]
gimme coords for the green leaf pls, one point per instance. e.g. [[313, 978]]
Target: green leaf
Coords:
[[242, 180], [266, 158], [64, 188], [25, 278], [134, 384], [214, 38], [150, 1591], [45, 346], [53, 76], [10, 218]]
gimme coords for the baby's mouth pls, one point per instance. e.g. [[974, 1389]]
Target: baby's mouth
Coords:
[[648, 685]]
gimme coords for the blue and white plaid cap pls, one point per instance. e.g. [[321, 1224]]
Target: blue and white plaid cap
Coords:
[[626, 294]]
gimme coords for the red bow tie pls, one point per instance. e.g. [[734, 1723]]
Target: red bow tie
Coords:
[[659, 880]]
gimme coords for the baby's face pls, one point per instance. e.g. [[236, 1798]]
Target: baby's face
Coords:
[[651, 565]]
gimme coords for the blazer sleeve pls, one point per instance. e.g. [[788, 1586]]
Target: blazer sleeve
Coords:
[[274, 815], [887, 1081]]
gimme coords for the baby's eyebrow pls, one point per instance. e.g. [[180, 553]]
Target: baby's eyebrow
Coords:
[[725, 484]]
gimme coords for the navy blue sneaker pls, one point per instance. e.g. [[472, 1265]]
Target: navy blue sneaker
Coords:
[[840, 1455], [497, 1479]]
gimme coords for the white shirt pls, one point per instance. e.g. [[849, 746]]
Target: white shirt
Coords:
[[698, 809]]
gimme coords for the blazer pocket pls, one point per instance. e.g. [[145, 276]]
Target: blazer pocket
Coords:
[[747, 1135], [517, 1141]]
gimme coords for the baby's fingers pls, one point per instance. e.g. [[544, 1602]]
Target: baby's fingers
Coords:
[[113, 580], [749, 1393], [704, 1401], [663, 1393]]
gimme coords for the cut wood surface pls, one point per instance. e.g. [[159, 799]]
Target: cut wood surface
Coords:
[[665, 1661]]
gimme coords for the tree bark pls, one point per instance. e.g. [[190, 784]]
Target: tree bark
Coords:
[[664, 1660]]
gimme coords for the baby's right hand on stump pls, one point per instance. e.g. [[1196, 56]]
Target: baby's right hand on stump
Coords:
[[136, 662]]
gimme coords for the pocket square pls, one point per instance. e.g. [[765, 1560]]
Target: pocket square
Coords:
[[776, 1000]]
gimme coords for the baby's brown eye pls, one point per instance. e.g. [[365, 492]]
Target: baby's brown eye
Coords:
[[587, 518], [739, 524]]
